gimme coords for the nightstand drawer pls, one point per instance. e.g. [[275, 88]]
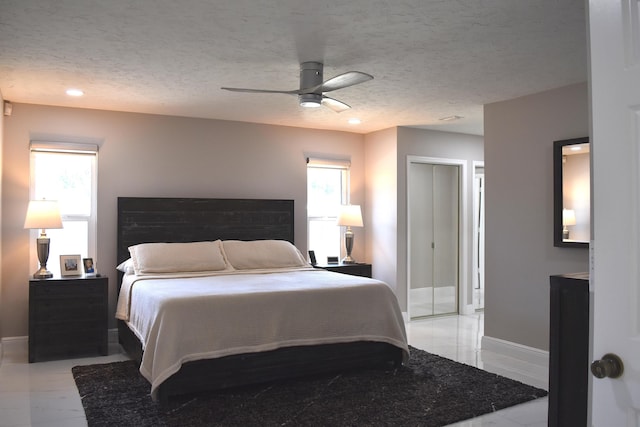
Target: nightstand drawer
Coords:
[[71, 310], [63, 290], [52, 333], [56, 343]]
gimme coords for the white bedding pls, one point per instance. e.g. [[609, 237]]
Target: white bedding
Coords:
[[190, 317]]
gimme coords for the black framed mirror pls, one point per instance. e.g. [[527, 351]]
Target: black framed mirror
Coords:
[[571, 193]]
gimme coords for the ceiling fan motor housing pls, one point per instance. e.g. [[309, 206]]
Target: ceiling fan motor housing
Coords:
[[310, 76]]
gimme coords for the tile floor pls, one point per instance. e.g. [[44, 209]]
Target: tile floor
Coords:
[[44, 394]]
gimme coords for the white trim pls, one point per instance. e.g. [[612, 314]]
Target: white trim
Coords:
[[13, 345], [526, 364], [64, 147], [467, 309], [463, 238], [316, 162], [13, 340], [475, 253]]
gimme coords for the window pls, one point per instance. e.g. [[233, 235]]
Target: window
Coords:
[[327, 189], [67, 173]]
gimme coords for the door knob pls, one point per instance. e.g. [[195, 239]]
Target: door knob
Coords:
[[609, 366]]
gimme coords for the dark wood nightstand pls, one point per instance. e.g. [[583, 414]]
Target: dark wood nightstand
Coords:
[[359, 269], [67, 317]]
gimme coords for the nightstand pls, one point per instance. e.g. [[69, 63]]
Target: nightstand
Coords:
[[359, 269], [67, 317]]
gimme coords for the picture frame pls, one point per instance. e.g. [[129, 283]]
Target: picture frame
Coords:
[[89, 267], [70, 265]]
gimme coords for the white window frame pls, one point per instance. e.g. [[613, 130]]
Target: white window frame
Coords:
[[345, 167], [81, 149]]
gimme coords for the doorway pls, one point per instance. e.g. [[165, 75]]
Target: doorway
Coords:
[[434, 229], [478, 235]]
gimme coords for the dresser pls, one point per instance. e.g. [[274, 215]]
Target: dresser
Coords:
[[68, 317], [569, 350]]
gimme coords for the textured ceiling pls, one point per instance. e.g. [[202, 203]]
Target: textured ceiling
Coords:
[[430, 59]]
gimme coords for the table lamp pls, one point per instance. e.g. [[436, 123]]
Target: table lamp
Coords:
[[350, 216], [568, 218], [43, 214]]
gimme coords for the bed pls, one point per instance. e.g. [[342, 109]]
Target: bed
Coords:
[[191, 231]]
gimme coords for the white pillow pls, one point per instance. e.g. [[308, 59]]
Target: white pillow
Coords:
[[262, 254], [126, 267], [149, 258]]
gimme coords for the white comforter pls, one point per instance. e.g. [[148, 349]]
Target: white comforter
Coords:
[[181, 319]]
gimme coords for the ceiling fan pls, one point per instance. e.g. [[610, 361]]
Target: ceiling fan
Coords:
[[312, 88]]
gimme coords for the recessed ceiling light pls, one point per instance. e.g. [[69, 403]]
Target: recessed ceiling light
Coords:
[[74, 92], [354, 121], [450, 118], [576, 148]]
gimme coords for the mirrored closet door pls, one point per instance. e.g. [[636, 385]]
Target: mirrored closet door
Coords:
[[434, 212]]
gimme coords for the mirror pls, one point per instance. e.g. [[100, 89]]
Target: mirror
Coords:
[[572, 193]]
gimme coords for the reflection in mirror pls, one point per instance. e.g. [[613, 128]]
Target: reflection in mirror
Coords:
[[572, 194]]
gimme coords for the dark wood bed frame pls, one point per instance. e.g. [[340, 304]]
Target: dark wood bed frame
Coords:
[[149, 220]]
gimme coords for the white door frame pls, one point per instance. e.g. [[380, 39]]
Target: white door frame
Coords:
[[463, 237], [475, 252]]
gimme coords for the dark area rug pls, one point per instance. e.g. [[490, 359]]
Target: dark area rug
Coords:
[[429, 391]]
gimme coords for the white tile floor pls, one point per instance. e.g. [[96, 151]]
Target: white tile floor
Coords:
[[44, 394]]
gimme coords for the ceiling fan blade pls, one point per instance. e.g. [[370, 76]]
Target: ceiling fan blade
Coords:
[[334, 104], [347, 79], [239, 89]]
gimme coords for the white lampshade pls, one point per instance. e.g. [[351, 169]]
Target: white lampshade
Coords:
[[350, 215], [43, 214], [568, 217]]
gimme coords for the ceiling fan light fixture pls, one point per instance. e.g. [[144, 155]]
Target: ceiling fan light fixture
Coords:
[[310, 100]]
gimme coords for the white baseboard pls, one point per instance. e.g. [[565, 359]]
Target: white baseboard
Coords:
[[11, 345], [468, 309], [15, 341], [526, 364]]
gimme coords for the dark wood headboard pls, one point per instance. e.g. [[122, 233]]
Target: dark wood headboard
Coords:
[[153, 219]]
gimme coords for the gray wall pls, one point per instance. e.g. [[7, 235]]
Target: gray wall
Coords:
[[520, 255], [381, 180], [149, 155]]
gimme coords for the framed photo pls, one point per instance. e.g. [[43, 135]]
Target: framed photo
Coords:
[[70, 265], [89, 268]]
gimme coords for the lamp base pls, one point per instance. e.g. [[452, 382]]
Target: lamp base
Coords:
[[348, 260], [43, 273]]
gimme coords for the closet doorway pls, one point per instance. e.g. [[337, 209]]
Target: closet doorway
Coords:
[[434, 228]]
